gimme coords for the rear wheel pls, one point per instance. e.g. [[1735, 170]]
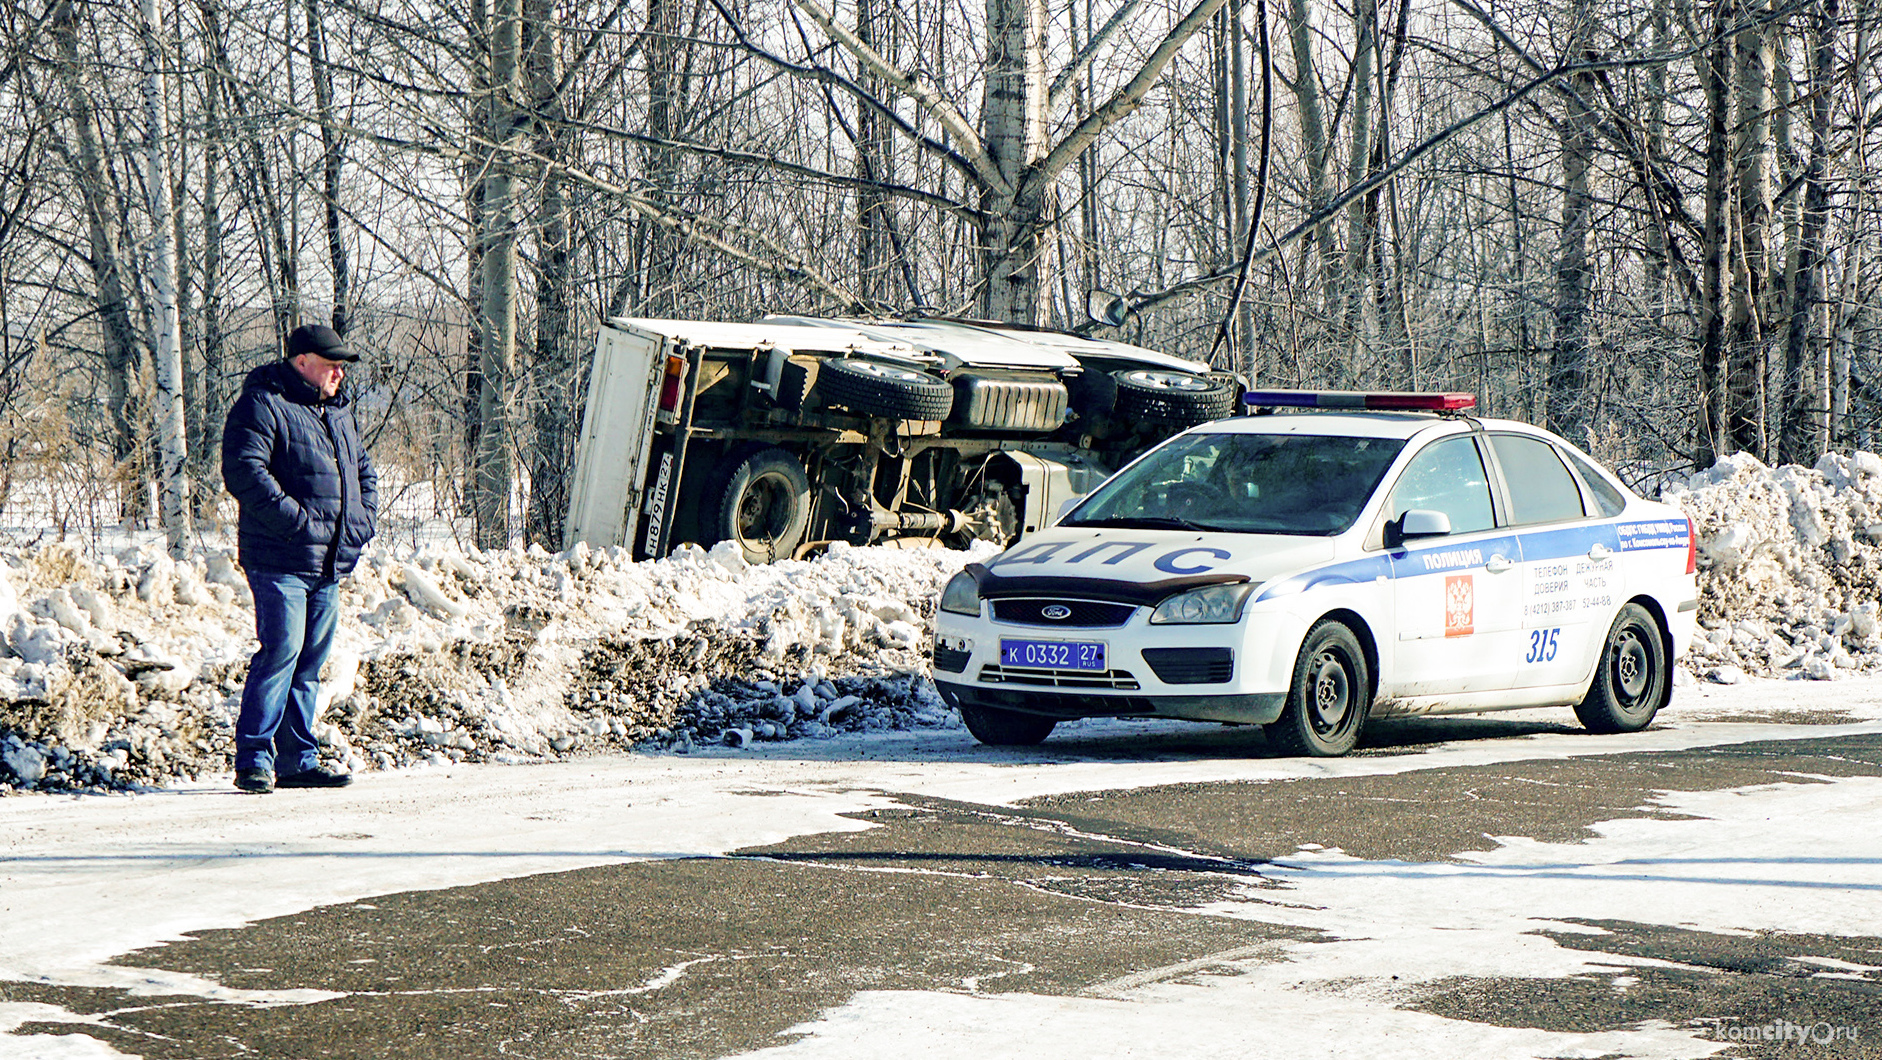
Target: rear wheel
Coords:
[[1005, 728], [1330, 695], [1630, 683], [765, 505]]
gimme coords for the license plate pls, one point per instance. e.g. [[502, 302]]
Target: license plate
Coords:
[[1053, 654]]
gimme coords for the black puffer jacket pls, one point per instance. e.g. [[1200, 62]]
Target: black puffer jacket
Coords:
[[308, 493]]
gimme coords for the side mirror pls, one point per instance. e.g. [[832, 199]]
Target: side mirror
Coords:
[[1416, 522], [1106, 308]]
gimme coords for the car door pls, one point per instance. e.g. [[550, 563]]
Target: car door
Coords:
[[1458, 597], [1572, 580]]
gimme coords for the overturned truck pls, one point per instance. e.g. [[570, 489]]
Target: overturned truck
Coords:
[[792, 432]]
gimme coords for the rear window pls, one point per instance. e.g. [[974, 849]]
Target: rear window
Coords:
[[1540, 488], [1244, 483], [1606, 496]]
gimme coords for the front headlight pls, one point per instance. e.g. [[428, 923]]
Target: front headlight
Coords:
[[962, 595], [1211, 603]]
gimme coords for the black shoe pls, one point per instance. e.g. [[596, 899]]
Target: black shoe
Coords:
[[314, 778], [254, 781]]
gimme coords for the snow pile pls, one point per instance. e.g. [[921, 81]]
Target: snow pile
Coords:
[[1790, 566], [126, 668]]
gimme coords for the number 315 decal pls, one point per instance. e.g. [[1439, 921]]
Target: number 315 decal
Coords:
[[1542, 645]]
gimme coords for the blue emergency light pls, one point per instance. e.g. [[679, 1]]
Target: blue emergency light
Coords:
[[1401, 400]]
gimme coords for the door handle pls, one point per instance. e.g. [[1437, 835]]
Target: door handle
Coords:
[[1498, 564], [1599, 551]]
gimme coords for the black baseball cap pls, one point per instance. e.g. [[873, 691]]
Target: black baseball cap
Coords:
[[321, 341]]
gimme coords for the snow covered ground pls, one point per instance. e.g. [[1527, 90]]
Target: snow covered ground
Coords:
[[83, 878]]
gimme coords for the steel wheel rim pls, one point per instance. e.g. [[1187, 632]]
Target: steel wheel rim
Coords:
[[1332, 692], [1633, 666], [1168, 381], [764, 509]]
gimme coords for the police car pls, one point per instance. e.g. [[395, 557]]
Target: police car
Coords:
[[1334, 557]]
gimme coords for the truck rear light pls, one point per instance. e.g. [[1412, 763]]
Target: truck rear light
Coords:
[[670, 386], [1692, 548], [1354, 399]]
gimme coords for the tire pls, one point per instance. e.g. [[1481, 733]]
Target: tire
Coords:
[[1329, 698], [1630, 682], [872, 388], [764, 504], [1176, 399], [1006, 728]]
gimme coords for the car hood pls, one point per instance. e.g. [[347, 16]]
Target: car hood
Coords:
[[1141, 556]]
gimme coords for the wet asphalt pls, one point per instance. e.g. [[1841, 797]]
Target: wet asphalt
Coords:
[[709, 957]]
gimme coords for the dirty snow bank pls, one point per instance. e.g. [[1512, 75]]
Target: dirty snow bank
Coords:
[[124, 667], [1790, 566]]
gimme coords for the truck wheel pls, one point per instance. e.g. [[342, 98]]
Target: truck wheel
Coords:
[[1629, 684], [765, 505], [872, 388], [1178, 399], [1330, 696], [1005, 728]]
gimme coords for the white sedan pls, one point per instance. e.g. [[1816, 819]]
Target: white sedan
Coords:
[[1350, 556]]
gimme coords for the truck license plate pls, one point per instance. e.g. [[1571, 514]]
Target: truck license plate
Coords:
[[1053, 654]]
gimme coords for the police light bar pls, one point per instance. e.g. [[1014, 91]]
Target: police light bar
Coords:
[[1355, 399]]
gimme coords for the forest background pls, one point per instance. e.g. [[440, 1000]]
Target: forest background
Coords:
[[1651, 226]]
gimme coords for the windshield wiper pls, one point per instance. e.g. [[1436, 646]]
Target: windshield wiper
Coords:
[[1144, 522]]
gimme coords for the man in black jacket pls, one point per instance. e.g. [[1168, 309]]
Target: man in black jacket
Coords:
[[292, 456]]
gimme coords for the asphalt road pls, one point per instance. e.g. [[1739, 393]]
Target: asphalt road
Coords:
[[1074, 895]]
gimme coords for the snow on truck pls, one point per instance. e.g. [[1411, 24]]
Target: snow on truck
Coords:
[[792, 432]]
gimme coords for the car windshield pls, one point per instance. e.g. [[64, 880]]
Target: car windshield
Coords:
[[1244, 483]]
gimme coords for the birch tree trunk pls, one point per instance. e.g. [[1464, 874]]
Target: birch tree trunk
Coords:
[[1313, 144], [552, 374], [1807, 430], [120, 350], [1748, 351], [1568, 361], [172, 443], [206, 473], [332, 166], [1359, 229], [492, 476], [1014, 132], [1716, 438]]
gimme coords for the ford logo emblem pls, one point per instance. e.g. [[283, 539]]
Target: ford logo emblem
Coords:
[[1055, 612]]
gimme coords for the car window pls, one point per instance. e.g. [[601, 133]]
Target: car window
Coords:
[[1245, 483], [1446, 476], [1607, 497], [1540, 488]]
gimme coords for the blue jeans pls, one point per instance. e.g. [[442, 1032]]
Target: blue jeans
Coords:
[[294, 619]]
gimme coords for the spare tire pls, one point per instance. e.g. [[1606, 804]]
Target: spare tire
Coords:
[[872, 388], [1176, 399], [764, 504]]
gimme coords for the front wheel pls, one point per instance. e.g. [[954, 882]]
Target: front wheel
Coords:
[[1005, 728], [1330, 695], [1630, 682]]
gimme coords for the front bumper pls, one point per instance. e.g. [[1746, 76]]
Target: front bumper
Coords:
[[1231, 672], [1245, 709]]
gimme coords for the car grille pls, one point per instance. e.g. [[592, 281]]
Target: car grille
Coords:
[[952, 660], [1085, 613], [1017, 675], [1191, 666]]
